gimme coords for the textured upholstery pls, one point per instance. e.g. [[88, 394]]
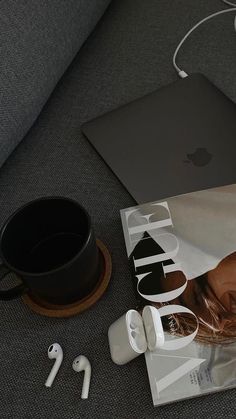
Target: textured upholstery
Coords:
[[38, 40], [128, 55]]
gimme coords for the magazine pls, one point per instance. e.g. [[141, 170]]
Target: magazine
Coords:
[[182, 252]]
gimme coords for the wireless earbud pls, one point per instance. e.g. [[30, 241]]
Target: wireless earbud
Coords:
[[54, 352], [81, 363]]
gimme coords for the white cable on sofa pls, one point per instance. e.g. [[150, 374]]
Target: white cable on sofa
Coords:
[[180, 71], [229, 3]]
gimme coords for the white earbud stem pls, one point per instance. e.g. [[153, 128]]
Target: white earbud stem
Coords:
[[54, 352], [81, 363]]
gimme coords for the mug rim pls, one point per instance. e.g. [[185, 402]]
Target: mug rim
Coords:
[[45, 198]]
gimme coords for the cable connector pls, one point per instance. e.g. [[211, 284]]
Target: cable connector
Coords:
[[182, 74]]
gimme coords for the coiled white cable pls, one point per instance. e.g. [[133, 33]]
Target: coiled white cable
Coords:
[[180, 71]]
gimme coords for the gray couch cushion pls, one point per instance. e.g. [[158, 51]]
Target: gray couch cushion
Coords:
[[38, 40]]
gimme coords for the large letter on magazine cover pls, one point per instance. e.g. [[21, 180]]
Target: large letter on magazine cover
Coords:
[[183, 257]]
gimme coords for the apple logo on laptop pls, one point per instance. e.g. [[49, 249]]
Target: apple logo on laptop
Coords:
[[200, 157]]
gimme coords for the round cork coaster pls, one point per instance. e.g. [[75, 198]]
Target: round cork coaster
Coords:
[[68, 310]]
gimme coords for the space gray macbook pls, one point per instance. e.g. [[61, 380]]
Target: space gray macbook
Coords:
[[178, 139]]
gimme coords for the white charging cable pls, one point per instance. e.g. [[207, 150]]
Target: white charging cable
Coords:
[[180, 71], [229, 3]]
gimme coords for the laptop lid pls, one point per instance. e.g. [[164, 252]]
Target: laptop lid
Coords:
[[178, 139]]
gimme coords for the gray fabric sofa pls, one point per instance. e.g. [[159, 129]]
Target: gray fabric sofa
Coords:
[[127, 55]]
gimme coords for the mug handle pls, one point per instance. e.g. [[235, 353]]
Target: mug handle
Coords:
[[11, 293]]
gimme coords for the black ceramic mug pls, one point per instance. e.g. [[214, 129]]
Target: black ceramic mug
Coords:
[[50, 245]]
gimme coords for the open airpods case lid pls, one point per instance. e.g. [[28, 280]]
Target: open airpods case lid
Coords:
[[153, 328], [145, 331]]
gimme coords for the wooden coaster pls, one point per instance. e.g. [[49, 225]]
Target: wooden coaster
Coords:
[[53, 310]]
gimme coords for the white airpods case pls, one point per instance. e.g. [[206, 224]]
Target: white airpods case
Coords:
[[132, 334]]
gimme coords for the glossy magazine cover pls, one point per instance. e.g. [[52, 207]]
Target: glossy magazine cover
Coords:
[[182, 252]]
